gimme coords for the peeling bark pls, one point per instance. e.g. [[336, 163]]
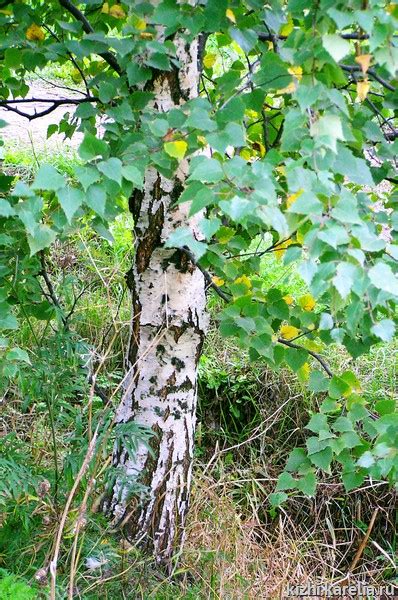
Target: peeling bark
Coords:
[[167, 332]]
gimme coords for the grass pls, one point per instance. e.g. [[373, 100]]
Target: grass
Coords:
[[249, 419]]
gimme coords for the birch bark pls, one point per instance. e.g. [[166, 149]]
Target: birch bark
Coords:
[[167, 332]]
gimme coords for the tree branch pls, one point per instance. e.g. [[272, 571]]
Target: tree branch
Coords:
[[270, 37], [6, 104], [87, 28], [315, 355], [371, 72], [50, 287]]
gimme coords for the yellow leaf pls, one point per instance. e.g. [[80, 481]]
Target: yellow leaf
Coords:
[[245, 154], [117, 11], [209, 60], [307, 302], [281, 170], [139, 23], [362, 90], [76, 75], [230, 15], [288, 299], [288, 332], [202, 140], [34, 33], [245, 280], [280, 250], [146, 35], [218, 280], [304, 372], [364, 61], [176, 149], [392, 9], [300, 238], [297, 72], [225, 234], [105, 8], [291, 198], [252, 114], [289, 89], [287, 27]]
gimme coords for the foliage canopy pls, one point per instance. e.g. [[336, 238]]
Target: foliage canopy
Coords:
[[293, 130]]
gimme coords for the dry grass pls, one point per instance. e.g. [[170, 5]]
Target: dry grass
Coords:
[[243, 562], [240, 555]]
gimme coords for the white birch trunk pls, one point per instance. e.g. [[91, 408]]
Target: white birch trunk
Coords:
[[167, 332]]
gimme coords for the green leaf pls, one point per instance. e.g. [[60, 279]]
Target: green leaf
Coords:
[[131, 173], [322, 459], [317, 423], [137, 74], [336, 46], [237, 208], [307, 484], [245, 38], [384, 329], [277, 498], [111, 168], [92, 147], [70, 200], [87, 176], [297, 458], [285, 482], [307, 204], [383, 278], [6, 210], [386, 407], [273, 73], [160, 61], [354, 168], [327, 130], [42, 238], [346, 210], [18, 354], [338, 387], [352, 480], [344, 278], [183, 236], [159, 127], [48, 178], [366, 460], [107, 90], [96, 199], [295, 358], [318, 382], [7, 319], [207, 170], [342, 424]]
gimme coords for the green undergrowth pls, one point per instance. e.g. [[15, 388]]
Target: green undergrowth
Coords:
[[249, 420]]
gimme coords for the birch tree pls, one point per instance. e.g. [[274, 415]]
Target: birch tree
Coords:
[[236, 129]]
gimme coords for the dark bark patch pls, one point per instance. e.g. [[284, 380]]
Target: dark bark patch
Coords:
[[149, 240], [177, 363]]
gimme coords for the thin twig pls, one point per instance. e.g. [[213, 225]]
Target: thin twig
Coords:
[[79, 477], [208, 278], [87, 28], [362, 547], [315, 355], [371, 72]]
